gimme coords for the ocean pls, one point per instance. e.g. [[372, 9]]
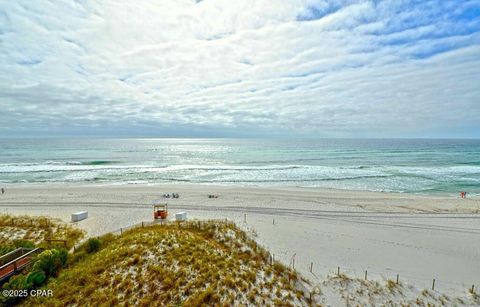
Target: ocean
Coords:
[[395, 165]]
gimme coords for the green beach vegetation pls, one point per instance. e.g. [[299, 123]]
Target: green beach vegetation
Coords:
[[27, 231], [191, 264], [32, 232], [46, 265]]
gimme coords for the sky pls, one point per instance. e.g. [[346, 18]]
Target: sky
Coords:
[[240, 68]]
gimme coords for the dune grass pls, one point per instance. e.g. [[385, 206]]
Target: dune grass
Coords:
[[190, 264], [35, 230], [354, 291]]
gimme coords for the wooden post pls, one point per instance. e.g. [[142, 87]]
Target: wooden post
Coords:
[[293, 261], [273, 221], [121, 231], [338, 271], [366, 275], [397, 279], [433, 284], [311, 267], [245, 218], [142, 224]]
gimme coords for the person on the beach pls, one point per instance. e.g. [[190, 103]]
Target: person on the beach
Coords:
[[3, 190]]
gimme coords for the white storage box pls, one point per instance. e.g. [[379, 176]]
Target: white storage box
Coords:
[[181, 216], [78, 216]]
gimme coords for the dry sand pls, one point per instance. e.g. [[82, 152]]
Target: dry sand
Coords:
[[417, 237]]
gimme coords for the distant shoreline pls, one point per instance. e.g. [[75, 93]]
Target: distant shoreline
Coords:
[[239, 186], [371, 199]]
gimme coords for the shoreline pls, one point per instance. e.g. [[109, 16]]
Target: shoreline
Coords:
[[452, 195], [445, 201]]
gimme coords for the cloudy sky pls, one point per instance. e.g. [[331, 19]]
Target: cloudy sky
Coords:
[[240, 68]]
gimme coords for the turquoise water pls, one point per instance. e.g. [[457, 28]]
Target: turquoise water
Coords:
[[399, 165]]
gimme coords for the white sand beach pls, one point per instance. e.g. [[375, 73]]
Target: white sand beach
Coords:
[[417, 237]]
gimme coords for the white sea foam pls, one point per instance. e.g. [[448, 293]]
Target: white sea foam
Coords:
[[412, 166]]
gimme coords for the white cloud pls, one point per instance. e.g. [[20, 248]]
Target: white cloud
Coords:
[[318, 67]]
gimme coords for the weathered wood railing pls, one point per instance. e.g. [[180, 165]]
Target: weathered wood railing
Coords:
[[16, 260]]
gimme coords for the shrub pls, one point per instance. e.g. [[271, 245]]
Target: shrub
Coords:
[[22, 282], [50, 261], [36, 278], [93, 245], [18, 282]]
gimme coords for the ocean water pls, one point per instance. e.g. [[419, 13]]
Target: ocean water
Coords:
[[398, 165]]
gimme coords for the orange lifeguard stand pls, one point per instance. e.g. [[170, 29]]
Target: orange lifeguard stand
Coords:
[[160, 211]]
